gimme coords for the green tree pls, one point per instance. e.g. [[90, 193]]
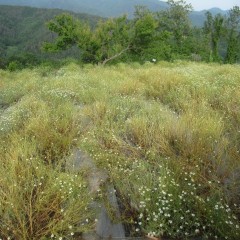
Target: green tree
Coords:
[[214, 28], [69, 32], [149, 40], [145, 30], [195, 45], [176, 21], [233, 38], [109, 40]]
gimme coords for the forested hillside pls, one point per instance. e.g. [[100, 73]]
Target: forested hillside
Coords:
[[164, 35], [104, 8], [108, 8], [23, 30], [148, 35]]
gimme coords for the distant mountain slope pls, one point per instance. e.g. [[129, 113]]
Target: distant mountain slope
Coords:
[[198, 17], [107, 8], [23, 29]]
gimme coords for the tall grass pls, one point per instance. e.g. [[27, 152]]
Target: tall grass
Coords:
[[168, 134]]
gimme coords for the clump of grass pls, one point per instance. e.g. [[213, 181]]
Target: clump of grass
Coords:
[[54, 125], [168, 134], [178, 127], [55, 129], [171, 203], [37, 201]]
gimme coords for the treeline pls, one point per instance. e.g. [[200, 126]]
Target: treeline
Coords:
[[165, 35], [22, 33]]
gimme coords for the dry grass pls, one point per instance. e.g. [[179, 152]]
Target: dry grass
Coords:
[[168, 134]]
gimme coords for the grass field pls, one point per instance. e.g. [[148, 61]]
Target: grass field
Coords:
[[168, 134]]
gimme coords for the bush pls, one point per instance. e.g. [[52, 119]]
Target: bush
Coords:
[[14, 66]]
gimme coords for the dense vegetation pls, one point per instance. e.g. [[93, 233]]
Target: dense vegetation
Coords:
[[164, 35], [23, 30], [103, 8], [18, 50], [149, 35], [106, 8], [168, 134]]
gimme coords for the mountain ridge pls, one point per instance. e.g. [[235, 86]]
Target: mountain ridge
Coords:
[[107, 8]]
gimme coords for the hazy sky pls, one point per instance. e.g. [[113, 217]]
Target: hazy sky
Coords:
[[206, 4]]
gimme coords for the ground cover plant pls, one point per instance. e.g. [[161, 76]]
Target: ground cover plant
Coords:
[[168, 134]]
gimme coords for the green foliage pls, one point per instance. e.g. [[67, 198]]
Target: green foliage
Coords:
[[65, 27], [145, 26], [214, 27], [108, 40], [111, 39], [175, 20], [14, 65], [233, 39], [23, 32], [107, 8], [165, 35]]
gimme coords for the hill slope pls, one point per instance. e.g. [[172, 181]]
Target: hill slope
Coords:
[[23, 29], [106, 8]]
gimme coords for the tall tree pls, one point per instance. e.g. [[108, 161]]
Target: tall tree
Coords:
[[214, 28], [233, 38], [109, 40], [70, 31], [144, 26], [176, 21]]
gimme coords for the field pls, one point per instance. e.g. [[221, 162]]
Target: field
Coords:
[[167, 133]]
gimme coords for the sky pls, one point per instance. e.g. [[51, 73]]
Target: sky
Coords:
[[207, 4]]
